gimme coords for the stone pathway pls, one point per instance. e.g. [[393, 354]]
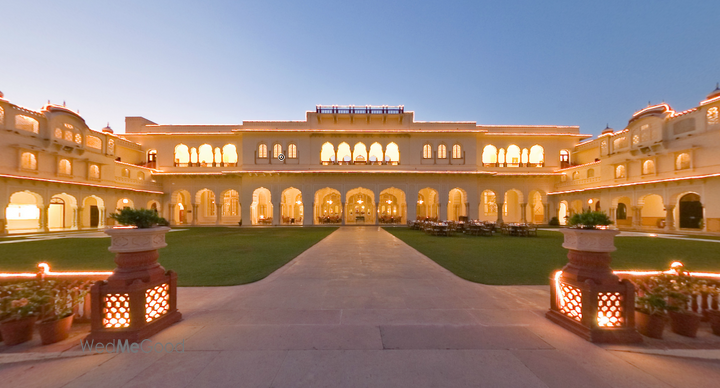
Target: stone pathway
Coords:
[[363, 309]]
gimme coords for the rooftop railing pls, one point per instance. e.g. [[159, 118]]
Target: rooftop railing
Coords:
[[361, 110]]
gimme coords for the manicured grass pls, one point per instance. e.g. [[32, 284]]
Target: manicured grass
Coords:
[[505, 260], [200, 256]]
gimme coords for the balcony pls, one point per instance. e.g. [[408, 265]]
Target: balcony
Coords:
[[360, 110]]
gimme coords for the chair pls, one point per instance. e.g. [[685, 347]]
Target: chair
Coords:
[[532, 230]]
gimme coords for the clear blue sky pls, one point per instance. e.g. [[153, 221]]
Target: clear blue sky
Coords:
[[584, 63]]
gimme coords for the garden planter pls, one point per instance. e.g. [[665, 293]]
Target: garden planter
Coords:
[[17, 331], [651, 325], [136, 253], [685, 323], [714, 316], [589, 254], [55, 331]]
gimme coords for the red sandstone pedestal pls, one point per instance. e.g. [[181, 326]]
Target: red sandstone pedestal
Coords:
[[140, 298], [586, 297]]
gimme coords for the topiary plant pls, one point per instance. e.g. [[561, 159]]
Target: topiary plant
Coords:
[[141, 218], [589, 220], [554, 222]]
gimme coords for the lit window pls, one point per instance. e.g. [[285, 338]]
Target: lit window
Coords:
[[682, 162], [457, 151], [58, 133], [93, 142], [68, 136], [78, 138], [636, 139], [620, 171], [392, 153], [182, 155], [512, 157], [277, 150], [111, 146], [27, 124], [230, 203], [94, 172], [648, 167], [327, 153], [427, 151], [262, 151], [489, 156], [501, 157], [442, 151], [28, 161], [489, 204], [712, 116], [292, 151], [229, 155], [537, 156], [152, 156], [205, 155], [65, 167]]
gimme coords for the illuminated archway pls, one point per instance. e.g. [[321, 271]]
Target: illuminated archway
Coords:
[[229, 155], [292, 207], [62, 212], [328, 206], [327, 154], [360, 153], [457, 204], [360, 206], [535, 208], [623, 214], [230, 206], [537, 156], [206, 207], [392, 208], [513, 156], [182, 155], [563, 214], [511, 206], [181, 201], [427, 204], [343, 153], [261, 210], [489, 156], [392, 153], [488, 206], [23, 212], [93, 213], [652, 211], [376, 153]]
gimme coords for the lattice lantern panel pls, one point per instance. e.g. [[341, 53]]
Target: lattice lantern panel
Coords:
[[116, 311], [610, 309], [570, 299], [157, 302]]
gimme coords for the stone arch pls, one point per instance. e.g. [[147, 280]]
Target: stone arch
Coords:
[[62, 212], [182, 155], [563, 212], [328, 207], [392, 153], [291, 207], [690, 210], [392, 206], [490, 156], [24, 211], [205, 207], [327, 153], [180, 201], [360, 153], [511, 205], [360, 206], [376, 156], [652, 211], [261, 209], [428, 204], [94, 212], [457, 204], [488, 206], [623, 215], [535, 208], [344, 156]]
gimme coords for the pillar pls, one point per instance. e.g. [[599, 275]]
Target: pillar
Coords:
[[218, 214], [277, 213], [613, 214], [77, 218], [171, 214], [3, 221], [637, 216], [308, 213], [44, 211], [523, 212], [669, 218], [500, 213], [343, 213], [546, 213], [101, 221], [195, 208]]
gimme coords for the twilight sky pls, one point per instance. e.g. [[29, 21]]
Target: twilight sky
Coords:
[[494, 62]]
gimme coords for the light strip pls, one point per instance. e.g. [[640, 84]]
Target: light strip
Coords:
[[705, 102], [535, 134], [578, 166], [45, 271], [636, 183], [667, 109], [135, 165], [79, 184]]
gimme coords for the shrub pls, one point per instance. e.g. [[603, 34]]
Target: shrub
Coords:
[[142, 218], [589, 220], [554, 222]]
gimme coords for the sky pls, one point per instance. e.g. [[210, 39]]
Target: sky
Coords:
[[586, 63]]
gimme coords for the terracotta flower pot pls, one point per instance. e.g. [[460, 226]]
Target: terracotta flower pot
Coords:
[[17, 331], [714, 316], [685, 323], [55, 331], [651, 325]]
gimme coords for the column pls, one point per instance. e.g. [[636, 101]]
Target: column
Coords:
[[195, 208], [343, 213], [523, 212], [376, 211], [546, 213], [669, 218], [442, 212], [3, 221], [218, 214], [277, 212], [77, 218], [44, 211], [101, 215], [411, 210], [613, 215], [500, 213], [637, 213], [308, 213], [171, 214]]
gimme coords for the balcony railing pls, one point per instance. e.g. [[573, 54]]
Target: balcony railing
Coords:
[[360, 110]]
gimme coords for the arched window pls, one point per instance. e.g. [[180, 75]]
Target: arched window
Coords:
[[292, 151], [575, 175], [151, 158], [194, 156], [489, 156], [141, 176], [327, 153], [125, 173], [564, 158], [590, 173], [442, 151], [262, 151], [94, 172], [343, 153], [277, 150], [230, 203], [28, 161], [65, 167], [537, 156], [621, 213], [489, 203], [28, 124], [182, 155], [392, 153], [648, 167], [360, 153], [620, 171], [375, 155], [457, 151], [513, 156], [682, 162], [205, 155], [230, 157], [427, 151]]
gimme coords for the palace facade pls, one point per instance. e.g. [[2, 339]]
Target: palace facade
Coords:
[[358, 165]]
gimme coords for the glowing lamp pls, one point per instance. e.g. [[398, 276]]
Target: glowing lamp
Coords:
[[125, 201]]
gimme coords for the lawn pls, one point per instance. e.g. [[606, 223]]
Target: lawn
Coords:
[[200, 256], [505, 260]]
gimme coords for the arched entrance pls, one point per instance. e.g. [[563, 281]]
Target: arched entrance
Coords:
[[652, 211], [181, 201], [292, 207], [457, 205], [511, 208], [23, 212], [563, 213], [360, 206], [261, 210], [691, 211], [427, 204], [230, 207], [392, 206], [62, 212], [93, 212], [206, 207], [623, 213], [536, 208], [328, 206]]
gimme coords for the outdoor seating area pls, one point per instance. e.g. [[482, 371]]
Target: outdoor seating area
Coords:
[[473, 228]]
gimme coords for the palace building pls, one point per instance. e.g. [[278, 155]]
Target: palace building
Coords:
[[358, 165]]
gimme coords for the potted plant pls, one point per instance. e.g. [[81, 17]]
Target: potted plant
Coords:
[[590, 242], [681, 289], [57, 314], [651, 308], [19, 310]]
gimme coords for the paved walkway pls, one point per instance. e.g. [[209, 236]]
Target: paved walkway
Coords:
[[363, 309]]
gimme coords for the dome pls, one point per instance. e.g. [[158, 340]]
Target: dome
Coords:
[[607, 130], [713, 94], [652, 110], [2, 95], [107, 129]]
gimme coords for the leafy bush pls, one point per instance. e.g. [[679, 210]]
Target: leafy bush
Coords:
[[142, 218], [46, 299], [554, 222], [589, 220]]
